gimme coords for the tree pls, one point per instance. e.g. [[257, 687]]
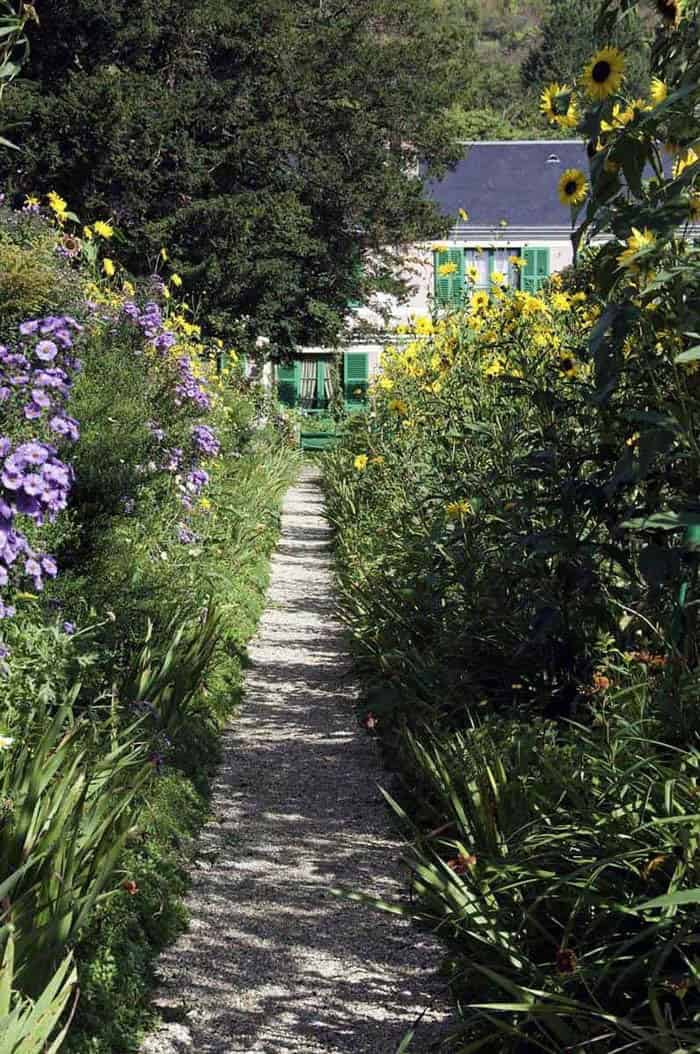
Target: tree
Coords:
[[265, 143], [569, 39]]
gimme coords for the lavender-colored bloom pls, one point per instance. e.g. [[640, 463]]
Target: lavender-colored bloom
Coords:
[[40, 398], [68, 628], [29, 327], [197, 479], [128, 505], [6, 611], [173, 459], [46, 350], [49, 566], [32, 411], [4, 651], [185, 535], [66, 426], [206, 440], [5, 393], [164, 341]]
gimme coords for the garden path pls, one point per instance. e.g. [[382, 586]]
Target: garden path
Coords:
[[273, 962]]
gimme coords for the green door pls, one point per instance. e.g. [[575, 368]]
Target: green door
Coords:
[[536, 270]]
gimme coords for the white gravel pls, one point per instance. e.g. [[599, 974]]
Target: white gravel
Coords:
[[272, 961]]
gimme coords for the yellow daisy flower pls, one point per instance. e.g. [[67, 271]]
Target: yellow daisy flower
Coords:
[[176, 280], [447, 269], [456, 510], [498, 278], [104, 230], [464, 215], [480, 300], [472, 273], [87, 233], [360, 462], [108, 266], [637, 242], [658, 91], [603, 74]]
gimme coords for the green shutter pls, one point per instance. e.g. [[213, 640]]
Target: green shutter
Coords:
[[288, 382], [449, 289], [536, 270], [355, 378]]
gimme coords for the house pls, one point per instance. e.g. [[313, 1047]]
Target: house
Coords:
[[508, 191]]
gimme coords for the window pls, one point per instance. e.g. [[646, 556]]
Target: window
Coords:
[[449, 289]]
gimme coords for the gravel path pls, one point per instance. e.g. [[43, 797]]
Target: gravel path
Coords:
[[272, 962]]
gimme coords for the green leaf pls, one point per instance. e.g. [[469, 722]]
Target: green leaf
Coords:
[[690, 355]]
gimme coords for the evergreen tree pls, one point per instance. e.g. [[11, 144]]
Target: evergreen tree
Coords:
[[266, 144]]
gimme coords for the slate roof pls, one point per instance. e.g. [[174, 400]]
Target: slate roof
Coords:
[[513, 181]]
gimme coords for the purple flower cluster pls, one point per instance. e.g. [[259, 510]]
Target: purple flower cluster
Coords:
[[190, 388], [149, 321], [205, 440], [37, 378], [39, 374], [34, 483]]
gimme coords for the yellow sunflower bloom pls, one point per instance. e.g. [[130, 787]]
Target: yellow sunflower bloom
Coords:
[[498, 278], [464, 215], [637, 242], [568, 365], [559, 107], [108, 266], [472, 273], [658, 91], [447, 269], [480, 300], [360, 462], [494, 368], [104, 230], [572, 187], [603, 74]]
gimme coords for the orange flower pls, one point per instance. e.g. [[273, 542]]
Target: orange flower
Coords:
[[462, 863]]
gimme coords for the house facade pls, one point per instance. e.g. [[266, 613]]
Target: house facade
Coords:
[[503, 201]]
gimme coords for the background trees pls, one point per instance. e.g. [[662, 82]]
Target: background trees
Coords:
[[264, 145]]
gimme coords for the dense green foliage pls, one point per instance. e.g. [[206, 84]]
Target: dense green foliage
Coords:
[[518, 555], [265, 145], [117, 676]]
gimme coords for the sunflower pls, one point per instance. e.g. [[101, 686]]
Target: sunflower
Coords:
[[604, 72], [548, 100], [480, 300], [559, 107], [637, 242], [473, 273], [568, 365], [456, 510], [447, 269], [572, 187], [658, 91]]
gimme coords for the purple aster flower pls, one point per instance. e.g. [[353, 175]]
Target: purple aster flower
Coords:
[[29, 327], [46, 350], [206, 441], [68, 628], [185, 535], [32, 411]]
